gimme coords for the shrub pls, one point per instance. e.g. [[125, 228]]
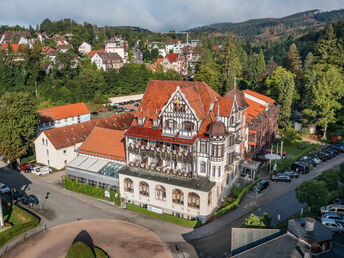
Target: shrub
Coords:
[[254, 221], [236, 191], [289, 135]]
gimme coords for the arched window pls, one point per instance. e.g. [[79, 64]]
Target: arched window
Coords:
[[170, 124], [193, 200], [160, 193], [202, 167], [144, 188], [177, 196], [188, 126], [128, 185]]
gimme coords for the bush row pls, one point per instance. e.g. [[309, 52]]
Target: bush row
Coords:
[[91, 191], [166, 217], [236, 203]]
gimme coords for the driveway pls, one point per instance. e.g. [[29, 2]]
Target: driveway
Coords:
[[116, 238]]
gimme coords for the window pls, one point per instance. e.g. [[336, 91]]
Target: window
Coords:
[[214, 171], [65, 119], [43, 141], [128, 185], [217, 151], [171, 124], [64, 152], [231, 120], [140, 121], [82, 180], [193, 200], [202, 167], [219, 171], [177, 196], [47, 152], [179, 108], [203, 147], [72, 178], [155, 122], [92, 182], [230, 158], [65, 162], [209, 198], [144, 188], [103, 185], [160, 193], [188, 126]]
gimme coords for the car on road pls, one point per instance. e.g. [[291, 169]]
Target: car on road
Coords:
[[281, 178], [300, 167], [4, 189], [29, 200], [335, 216], [333, 225], [291, 173], [333, 208], [38, 170], [260, 186]]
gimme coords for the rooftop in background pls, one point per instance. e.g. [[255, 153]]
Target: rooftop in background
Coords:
[[93, 52], [61, 112], [66, 136], [106, 143], [199, 183]]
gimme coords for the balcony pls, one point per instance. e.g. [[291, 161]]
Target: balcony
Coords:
[[155, 168], [166, 153]]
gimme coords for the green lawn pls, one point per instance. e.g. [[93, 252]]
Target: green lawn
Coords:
[[166, 217], [20, 220], [80, 249]]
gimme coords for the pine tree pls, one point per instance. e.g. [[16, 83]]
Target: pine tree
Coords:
[[326, 47], [294, 63], [207, 74], [309, 62]]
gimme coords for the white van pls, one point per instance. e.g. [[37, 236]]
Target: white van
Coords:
[[41, 170]]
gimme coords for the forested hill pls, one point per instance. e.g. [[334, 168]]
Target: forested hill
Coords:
[[273, 28]]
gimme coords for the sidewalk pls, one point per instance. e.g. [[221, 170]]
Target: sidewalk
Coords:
[[257, 203]]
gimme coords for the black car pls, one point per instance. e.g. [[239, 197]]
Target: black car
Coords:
[[29, 200], [260, 186], [332, 150], [281, 178], [322, 156], [17, 195], [300, 167], [329, 153], [339, 147]]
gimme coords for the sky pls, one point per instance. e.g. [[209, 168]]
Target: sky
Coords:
[[155, 15]]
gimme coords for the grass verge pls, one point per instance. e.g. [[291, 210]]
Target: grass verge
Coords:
[[166, 217], [20, 221], [236, 203]]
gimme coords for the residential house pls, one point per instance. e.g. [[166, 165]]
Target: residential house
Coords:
[[93, 52], [58, 146], [42, 36], [64, 48], [172, 61], [17, 51], [16, 37], [192, 56], [50, 52], [63, 115], [85, 48], [171, 44], [60, 40], [157, 45], [107, 61], [117, 45]]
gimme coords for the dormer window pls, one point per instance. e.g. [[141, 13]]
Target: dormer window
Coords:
[[156, 122], [140, 121]]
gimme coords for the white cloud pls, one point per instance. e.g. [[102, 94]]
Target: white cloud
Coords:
[[157, 15]]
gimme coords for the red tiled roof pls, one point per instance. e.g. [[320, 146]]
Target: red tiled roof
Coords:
[[70, 135], [103, 142], [93, 52], [253, 109], [259, 96], [61, 112], [172, 57], [15, 47]]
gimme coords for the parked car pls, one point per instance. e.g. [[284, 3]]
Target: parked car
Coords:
[[17, 195], [281, 178], [315, 158], [300, 167], [323, 156], [338, 201], [260, 186], [335, 216], [4, 189], [332, 225], [330, 154], [41, 170], [332, 151], [291, 173], [26, 167], [339, 147], [333, 208], [29, 200]]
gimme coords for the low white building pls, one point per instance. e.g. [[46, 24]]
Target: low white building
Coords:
[[63, 115], [85, 48], [57, 147]]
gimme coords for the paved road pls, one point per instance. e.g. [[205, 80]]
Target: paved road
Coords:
[[213, 239], [64, 206]]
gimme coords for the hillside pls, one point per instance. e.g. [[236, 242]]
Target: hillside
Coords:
[[273, 28]]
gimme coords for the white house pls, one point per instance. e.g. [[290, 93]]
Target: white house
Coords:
[[85, 48], [107, 61], [116, 45], [63, 115], [57, 147]]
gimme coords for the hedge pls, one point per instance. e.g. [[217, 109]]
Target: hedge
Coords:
[[18, 229], [166, 217], [285, 164], [91, 191], [236, 203]]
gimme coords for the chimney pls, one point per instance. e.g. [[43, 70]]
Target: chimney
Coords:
[[309, 226]]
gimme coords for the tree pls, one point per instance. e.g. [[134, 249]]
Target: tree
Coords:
[[331, 179], [290, 134], [255, 69], [207, 74], [19, 122], [326, 47], [313, 192], [254, 221], [309, 62], [293, 61], [281, 86], [325, 86]]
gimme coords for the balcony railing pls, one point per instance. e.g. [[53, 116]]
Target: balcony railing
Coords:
[[154, 167], [162, 153]]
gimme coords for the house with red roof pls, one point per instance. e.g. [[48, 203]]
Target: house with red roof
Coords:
[[63, 115], [173, 61]]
